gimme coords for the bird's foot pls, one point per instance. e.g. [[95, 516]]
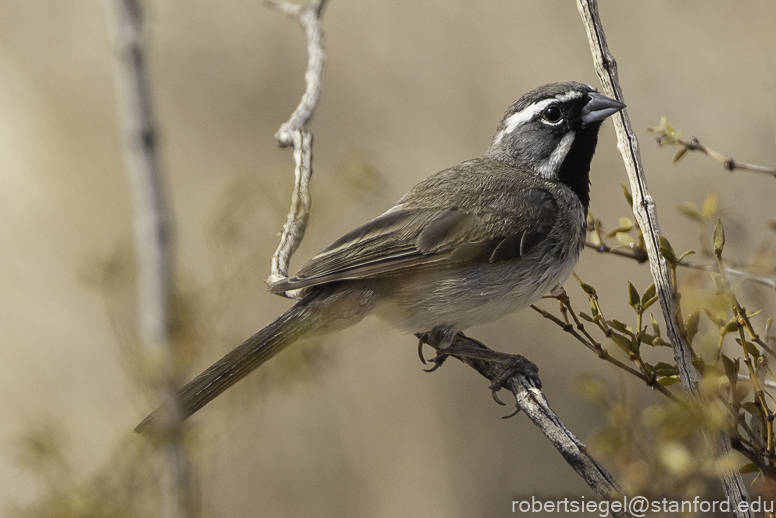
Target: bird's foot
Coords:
[[518, 365], [440, 356]]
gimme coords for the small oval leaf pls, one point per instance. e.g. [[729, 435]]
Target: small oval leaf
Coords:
[[691, 324], [719, 237], [633, 296], [648, 293]]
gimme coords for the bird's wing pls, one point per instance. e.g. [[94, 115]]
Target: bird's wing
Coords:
[[493, 225]]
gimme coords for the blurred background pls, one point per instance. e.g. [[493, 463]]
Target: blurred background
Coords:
[[350, 426]]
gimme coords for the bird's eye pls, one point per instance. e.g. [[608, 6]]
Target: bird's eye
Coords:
[[552, 114]]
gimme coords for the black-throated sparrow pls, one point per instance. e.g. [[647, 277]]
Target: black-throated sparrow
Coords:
[[464, 247]]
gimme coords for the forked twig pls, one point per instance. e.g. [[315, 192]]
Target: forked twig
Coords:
[[294, 133]]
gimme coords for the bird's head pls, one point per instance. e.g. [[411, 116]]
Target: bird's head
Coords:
[[553, 131]]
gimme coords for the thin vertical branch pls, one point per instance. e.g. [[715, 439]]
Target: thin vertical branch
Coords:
[[294, 133], [152, 238], [645, 212]]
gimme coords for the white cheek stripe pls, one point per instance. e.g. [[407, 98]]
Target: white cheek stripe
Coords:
[[549, 168]]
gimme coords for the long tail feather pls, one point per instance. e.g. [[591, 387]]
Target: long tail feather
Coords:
[[282, 332]]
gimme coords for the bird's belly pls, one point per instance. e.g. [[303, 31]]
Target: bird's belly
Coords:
[[465, 297]]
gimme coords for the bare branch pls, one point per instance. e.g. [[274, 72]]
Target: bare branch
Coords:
[[532, 401], [644, 209], [666, 135], [153, 239], [294, 133]]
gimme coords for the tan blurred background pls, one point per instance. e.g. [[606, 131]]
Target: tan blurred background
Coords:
[[410, 88]]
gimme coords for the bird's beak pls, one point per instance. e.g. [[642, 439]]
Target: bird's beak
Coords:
[[599, 107]]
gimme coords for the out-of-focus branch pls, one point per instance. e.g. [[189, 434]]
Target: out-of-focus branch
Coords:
[[639, 256], [667, 135], [531, 400], [645, 211], [153, 240], [294, 133]]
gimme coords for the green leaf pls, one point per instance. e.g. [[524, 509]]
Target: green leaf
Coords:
[[691, 324], [655, 325], [626, 344], [626, 223], [668, 380], [681, 257], [710, 206], [665, 243], [719, 238], [730, 369], [690, 210], [625, 239], [628, 196], [585, 316], [648, 303], [750, 348], [713, 318], [587, 289], [665, 369], [750, 467], [619, 326], [752, 408], [731, 327], [617, 230], [667, 251], [648, 293], [679, 154], [633, 296]]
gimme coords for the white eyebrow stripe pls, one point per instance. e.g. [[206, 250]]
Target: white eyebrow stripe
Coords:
[[574, 94], [524, 115], [529, 112]]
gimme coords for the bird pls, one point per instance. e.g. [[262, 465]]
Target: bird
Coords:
[[464, 247]]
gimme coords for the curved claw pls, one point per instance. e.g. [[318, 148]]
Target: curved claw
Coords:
[[495, 397], [513, 414], [421, 341], [432, 369]]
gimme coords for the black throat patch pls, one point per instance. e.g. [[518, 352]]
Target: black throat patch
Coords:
[[575, 169]]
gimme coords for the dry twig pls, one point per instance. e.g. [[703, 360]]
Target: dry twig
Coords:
[[644, 209], [667, 135], [294, 133]]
